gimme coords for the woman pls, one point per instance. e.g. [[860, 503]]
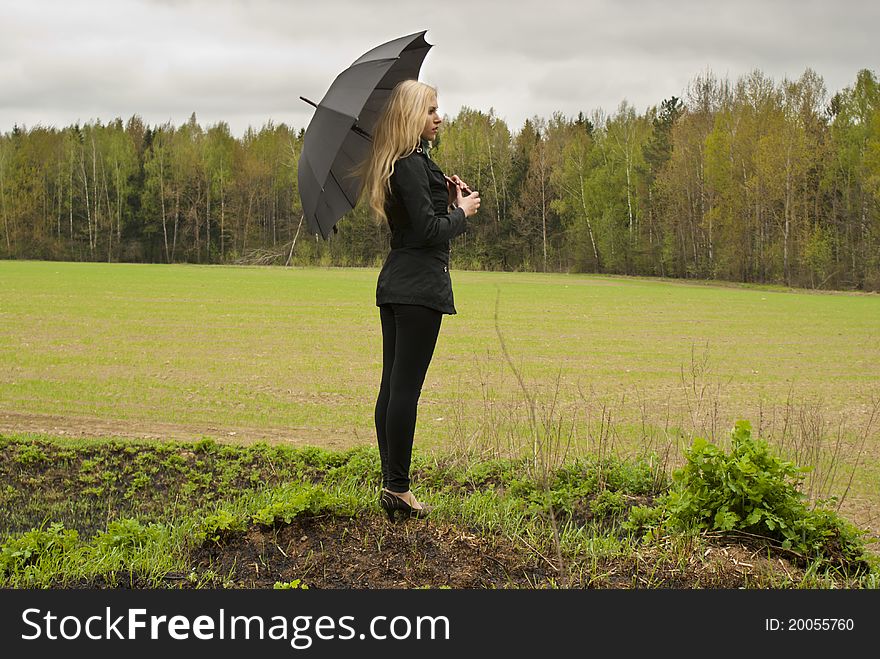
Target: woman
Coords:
[[424, 210]]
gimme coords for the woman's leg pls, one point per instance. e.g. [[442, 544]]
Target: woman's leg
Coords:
[[389, 340], [412, 330]]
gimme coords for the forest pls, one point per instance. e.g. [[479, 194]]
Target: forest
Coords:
[[753, 180]]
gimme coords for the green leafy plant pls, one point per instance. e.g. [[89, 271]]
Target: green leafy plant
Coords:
[[751, 490], [604, 483], [30, 454], [608, 504], [291, 504], [35, 545], [138, 483], [205, 445], [296, 584], [127, 533], [219, 526], [642, 520]]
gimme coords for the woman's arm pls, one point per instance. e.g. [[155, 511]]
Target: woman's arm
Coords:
[[412, 187]]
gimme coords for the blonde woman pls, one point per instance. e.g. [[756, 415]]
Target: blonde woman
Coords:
[[424, 210]]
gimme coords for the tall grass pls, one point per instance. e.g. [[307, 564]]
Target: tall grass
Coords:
[[538, 428]]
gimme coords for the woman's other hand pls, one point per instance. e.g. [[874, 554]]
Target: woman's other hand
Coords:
[[459, 191], [457, 182], [452, 185]]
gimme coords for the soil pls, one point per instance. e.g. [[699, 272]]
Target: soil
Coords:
[[368, 553]]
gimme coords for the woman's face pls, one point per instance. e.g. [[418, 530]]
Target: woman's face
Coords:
[[432, 122]]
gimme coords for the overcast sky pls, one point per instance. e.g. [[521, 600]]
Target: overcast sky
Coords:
[[248, 61]]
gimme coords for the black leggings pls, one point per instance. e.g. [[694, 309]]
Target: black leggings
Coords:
[[409, 334]]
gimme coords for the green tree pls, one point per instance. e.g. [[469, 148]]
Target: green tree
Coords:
[[656, 152], [576, 201], [158, 185], [217, 157]]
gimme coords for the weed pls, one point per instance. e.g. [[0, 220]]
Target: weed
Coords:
[[289, 508], [608, 504], [752, 491], [641, 519], [140, 482], [30, 454], [219, 526], [28, 549], [127, 534], [8, 494], [205, 445]]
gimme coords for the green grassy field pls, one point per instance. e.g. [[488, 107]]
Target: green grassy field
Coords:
[[293, 355]]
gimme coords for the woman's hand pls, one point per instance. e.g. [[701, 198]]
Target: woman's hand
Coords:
[[470, 204]]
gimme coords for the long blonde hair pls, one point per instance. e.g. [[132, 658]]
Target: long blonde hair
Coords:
[[397, 133]]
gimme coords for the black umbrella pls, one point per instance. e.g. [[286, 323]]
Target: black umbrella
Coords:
[[338, 137]]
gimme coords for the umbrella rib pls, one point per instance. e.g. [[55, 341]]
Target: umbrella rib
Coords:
[[360, 131], [357, 129], [342, 189], [330, 108]]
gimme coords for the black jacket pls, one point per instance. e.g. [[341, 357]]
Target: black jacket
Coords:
[[416, 270]]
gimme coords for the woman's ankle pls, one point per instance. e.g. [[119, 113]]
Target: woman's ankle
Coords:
[[407, 496]]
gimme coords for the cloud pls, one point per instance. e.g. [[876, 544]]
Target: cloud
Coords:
[[246, 62]]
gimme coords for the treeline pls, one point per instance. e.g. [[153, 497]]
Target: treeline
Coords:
[[131, 192], [755, 181]]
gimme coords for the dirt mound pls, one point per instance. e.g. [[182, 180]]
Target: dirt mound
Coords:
[[368, 552]]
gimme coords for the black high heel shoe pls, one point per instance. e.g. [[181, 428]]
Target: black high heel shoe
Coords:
[[393, 504]]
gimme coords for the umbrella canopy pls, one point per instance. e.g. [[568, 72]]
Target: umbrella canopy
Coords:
[[338, 137]]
